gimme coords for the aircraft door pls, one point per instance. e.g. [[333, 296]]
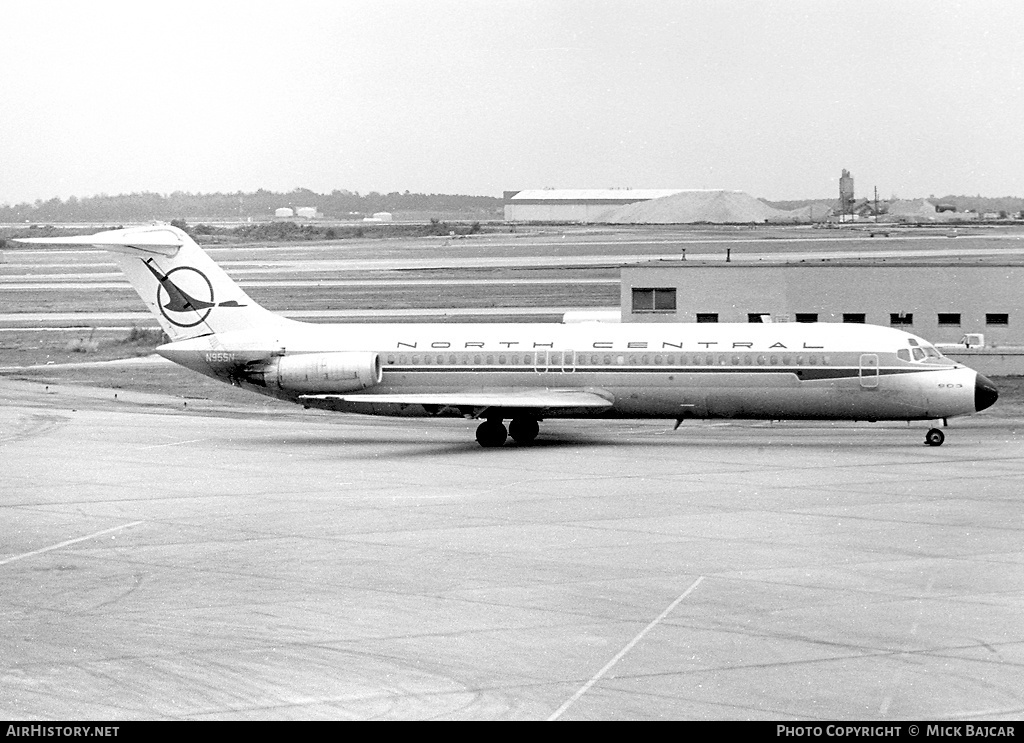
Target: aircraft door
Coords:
[[869, 371], [553, 361]]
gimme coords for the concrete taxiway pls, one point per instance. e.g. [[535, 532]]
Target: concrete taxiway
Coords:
[[169, 558]]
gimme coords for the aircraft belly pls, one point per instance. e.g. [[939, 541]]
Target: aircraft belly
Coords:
[[778, 396], [678, 395], [849, 399]]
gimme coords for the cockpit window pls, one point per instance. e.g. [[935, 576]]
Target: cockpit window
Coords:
[[921, 351]]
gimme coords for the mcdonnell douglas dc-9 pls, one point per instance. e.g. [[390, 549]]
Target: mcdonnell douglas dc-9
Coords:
[[528, 372]]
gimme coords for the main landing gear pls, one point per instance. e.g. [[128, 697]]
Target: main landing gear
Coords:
[[934, 437], [492, 431]]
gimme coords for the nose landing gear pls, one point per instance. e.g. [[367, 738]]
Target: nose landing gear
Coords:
[[934, 437]]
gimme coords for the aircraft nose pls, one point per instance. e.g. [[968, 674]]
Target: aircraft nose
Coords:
[[985, 393]]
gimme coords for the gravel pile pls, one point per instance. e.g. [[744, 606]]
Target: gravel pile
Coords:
[[717, 207]]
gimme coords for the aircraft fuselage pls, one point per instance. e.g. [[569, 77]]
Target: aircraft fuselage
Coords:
[[780, 371]]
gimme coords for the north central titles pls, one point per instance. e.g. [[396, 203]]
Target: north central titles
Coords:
[[607, 345]]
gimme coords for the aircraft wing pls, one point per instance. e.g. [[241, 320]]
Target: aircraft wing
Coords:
[[539, 400]]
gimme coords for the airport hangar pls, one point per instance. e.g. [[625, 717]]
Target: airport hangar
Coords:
[[575, 205], [941, 302]]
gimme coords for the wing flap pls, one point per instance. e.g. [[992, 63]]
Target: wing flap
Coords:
[[518, 399]]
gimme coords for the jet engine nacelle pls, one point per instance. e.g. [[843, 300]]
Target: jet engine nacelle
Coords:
[[324, 372]]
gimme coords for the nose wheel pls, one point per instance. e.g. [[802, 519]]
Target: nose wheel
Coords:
[[934, 437]]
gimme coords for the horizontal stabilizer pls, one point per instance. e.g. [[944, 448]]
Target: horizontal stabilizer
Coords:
[[518, 399], [189, 294], [153, 240]]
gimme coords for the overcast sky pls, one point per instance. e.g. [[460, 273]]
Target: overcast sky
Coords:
[[771, 97]]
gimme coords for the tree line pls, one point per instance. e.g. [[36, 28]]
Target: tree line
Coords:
[[257, 205]]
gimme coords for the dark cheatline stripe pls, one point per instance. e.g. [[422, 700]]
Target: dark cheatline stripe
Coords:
[[803, 373]]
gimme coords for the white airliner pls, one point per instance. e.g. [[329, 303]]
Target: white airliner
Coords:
[[526, 373]]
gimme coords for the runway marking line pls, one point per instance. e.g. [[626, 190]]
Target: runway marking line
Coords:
[[68, 542], [173, 443], [622, 653]]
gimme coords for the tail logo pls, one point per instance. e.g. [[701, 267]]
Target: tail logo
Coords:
[[188, 292]]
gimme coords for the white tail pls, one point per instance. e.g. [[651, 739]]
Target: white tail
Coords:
[[189, 294]]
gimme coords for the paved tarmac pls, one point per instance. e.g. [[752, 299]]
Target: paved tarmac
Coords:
[[1003, 247], [10, 322], [163, 558]]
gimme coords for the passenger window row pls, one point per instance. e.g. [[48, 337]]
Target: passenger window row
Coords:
[[575, 360]]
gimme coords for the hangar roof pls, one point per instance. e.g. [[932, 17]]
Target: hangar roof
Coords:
[[908, 262], [619, 195]]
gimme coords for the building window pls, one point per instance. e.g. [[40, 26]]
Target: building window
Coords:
[[857, 317], [949, 319], [900, 319], [807, 317], [759, 317], [997, 318], [654, 300], [707, 317]]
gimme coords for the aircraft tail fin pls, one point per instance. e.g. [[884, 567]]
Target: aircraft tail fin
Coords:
[[189, 294]]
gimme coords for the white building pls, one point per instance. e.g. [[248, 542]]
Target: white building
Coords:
[[940, 301]]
